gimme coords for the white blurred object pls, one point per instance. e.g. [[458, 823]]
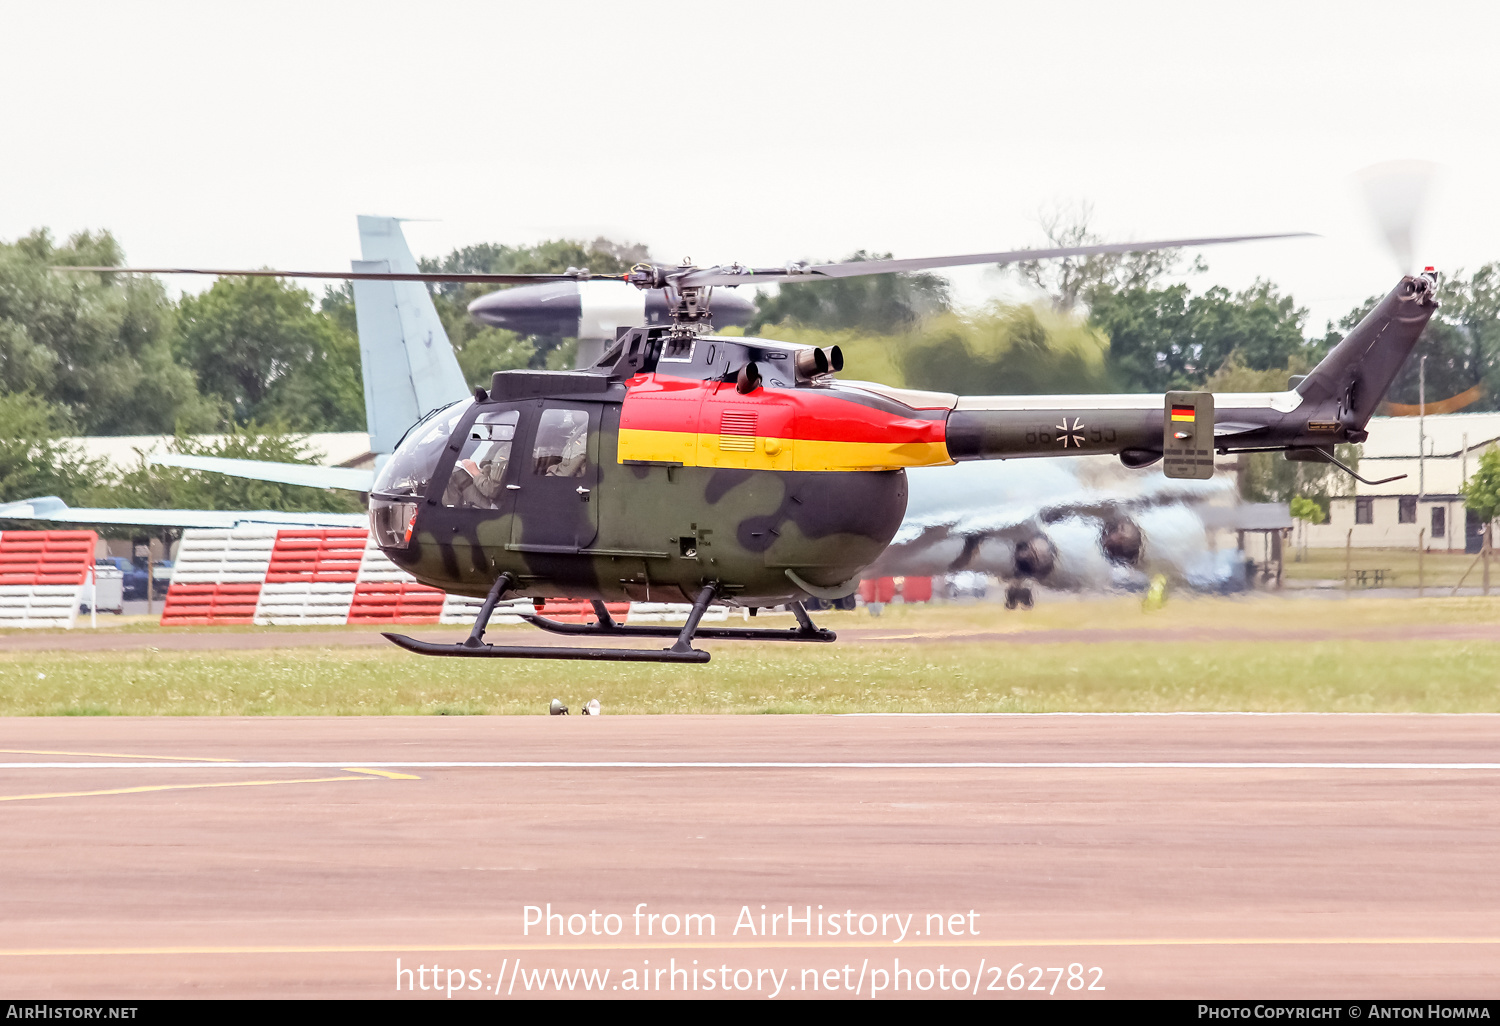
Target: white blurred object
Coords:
[[1396, 191], [974, 518], [592, 708]]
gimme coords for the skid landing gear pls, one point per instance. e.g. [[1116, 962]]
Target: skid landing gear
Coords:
[[682, 651], [805, 630]]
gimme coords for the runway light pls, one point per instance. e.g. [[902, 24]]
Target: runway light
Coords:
[[558, 709], [592, 708]]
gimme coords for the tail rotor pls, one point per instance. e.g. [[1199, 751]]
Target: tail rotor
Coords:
[[1396, 192]]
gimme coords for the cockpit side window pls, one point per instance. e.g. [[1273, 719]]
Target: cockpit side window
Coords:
[[410, 467], [478, 478], [562, 443]]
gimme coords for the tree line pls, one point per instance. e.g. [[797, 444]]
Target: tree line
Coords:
[[259, 361], [265, 362], [1128, 323]]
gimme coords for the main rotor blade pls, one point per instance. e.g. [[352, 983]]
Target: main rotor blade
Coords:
[[853, 268], [478, 279]]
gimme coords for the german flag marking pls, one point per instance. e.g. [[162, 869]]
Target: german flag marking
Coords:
[[1184, 413]]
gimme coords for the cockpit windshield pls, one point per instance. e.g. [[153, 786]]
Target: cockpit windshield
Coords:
[[412, 464]]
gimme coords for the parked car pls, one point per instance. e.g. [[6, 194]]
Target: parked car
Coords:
[[134, 588]]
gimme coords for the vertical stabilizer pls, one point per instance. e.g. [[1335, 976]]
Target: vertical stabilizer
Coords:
[[408, 364], [1357, 372]]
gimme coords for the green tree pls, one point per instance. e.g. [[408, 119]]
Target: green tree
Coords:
[[96, 344], [1307, 509], [150, 486], [880, 303], [999, 350], [1482, 491], [35, 457], [259, 345], [1006, 350], [1069, 281], [1164, 338]]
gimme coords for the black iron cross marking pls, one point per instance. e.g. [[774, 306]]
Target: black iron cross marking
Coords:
[[1073, 434]]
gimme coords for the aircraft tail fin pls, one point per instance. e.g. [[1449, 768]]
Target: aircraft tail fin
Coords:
[[408, 364], [1359, 370]]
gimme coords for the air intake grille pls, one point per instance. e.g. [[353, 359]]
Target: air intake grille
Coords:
[[737, 432]]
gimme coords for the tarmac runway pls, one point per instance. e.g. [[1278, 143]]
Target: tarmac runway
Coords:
[[1195, 856]]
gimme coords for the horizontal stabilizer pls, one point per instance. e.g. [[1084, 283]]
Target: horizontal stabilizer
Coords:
[[280, 473], [53, 510]]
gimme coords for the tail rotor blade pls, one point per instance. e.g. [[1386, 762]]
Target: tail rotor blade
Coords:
[[1396, 192]]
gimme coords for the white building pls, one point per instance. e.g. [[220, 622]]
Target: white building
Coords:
[[1425, 505]]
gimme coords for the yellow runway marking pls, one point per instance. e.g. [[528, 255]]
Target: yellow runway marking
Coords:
[[1130, 942], [382, 773], [116, 755], [170, 787]]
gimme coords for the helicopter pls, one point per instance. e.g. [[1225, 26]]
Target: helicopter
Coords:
[[684, 466]]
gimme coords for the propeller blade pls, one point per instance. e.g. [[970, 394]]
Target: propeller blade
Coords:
[[1396, 192], [478, 279], [853, 268]]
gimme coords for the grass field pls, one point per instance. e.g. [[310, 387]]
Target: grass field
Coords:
[[1262, 611], [1439, 569], [1135, 673]]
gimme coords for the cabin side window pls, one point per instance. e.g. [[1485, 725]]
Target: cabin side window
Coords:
[[562, 444], [478, 478]]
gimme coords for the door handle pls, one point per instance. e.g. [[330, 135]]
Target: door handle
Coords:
[[513, 488], [583, 493]]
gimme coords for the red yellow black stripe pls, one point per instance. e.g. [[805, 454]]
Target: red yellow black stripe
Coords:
[[709, 424]]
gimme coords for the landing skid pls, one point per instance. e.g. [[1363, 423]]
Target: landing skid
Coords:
[[618, 655], [474, 647], [805, 630]]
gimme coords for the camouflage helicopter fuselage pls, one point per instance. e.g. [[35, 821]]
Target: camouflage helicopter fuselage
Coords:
[[680, 462]]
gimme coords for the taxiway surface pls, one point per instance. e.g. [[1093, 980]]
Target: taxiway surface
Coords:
[[1181, 855]]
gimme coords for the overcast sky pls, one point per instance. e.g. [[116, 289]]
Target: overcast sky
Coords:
[[249, 135]]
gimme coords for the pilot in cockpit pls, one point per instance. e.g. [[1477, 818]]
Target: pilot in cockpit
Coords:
[[477, 483], [575, 451]]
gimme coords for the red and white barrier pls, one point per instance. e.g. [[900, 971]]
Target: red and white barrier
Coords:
[[217, 576], [311, 577], [44, 576], [267, 575]]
